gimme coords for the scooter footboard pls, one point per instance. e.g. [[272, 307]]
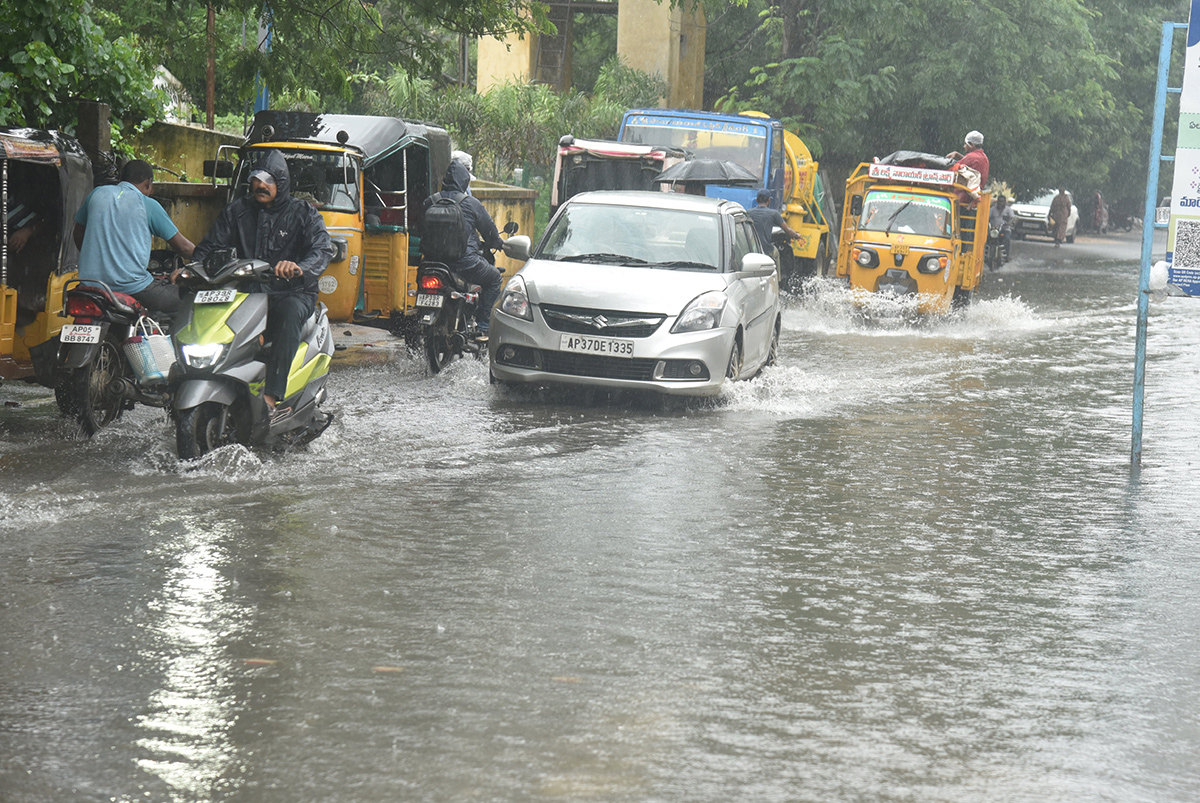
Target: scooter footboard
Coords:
[[194, 392]]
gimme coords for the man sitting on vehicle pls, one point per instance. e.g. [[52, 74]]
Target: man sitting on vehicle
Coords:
[[765, 218], [113, 231], [469, 263], [1001, 217], [271, 225], [974, 158]]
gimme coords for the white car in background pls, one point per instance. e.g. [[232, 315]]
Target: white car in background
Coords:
[[1033, 217], [654, 291]]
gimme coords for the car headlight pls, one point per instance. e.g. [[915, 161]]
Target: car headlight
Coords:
[[514, 300], [932, 263], [202, 355], [702, 312]]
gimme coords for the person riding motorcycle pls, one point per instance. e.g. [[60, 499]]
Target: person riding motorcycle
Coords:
[[113, 229], [482, 237], [1001, 217], [288, 233]]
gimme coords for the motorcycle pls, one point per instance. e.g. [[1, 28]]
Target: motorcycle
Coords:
[[96, 379], [217, 396], [996, 250], [448, 306]]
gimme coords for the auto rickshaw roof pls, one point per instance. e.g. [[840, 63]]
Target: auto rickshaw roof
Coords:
[[370, 135], [38, 145]]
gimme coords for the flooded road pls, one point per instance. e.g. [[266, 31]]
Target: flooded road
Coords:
[[905, 564]]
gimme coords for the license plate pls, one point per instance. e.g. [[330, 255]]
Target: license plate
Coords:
[[222, 296], [608, 346], [899, 248], [79, 333], [428, 300]]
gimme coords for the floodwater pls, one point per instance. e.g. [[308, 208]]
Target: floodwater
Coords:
[[909, 563]]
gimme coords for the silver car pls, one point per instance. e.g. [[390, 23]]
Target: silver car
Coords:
[[640, 290]]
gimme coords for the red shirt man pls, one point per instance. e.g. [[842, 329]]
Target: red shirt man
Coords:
[[974, 158]]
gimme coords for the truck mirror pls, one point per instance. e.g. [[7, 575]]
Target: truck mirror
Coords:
[[214, 168], [856, 205]]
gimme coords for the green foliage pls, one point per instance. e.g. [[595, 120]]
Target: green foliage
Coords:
[[53, 53]]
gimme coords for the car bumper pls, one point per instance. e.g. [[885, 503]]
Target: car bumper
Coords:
[[529, 352], [1037, 226]]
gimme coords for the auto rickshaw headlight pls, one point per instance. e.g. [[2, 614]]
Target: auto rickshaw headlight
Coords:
[[932, 263], [866, 257]]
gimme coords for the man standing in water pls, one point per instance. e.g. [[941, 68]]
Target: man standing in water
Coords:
[[1060, 215]]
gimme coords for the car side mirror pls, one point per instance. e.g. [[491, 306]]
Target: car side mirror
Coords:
[[518, 247], [758, 264], [856, 205]]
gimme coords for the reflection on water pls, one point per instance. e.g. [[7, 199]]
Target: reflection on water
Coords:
[[909, 562]]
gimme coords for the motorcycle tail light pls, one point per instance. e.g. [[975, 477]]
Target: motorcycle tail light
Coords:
[[82, 307], [431, 284]]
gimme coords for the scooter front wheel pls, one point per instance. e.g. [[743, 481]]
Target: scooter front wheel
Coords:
[[203, 428]]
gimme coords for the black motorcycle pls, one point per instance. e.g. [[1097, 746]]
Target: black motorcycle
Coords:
[[104, 363], [448, 306], [996, 250]]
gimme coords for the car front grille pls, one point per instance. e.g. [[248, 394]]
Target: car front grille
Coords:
[[566, 362], [583, 321]]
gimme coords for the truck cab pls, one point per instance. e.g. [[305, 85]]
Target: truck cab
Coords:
[[906, 232], [779, 160]]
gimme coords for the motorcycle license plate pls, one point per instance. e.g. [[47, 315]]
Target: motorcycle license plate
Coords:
[[222, 296], [608, 346], [79, 333], [430, 300]]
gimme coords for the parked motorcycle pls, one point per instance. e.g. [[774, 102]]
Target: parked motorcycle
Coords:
[[217, 397], [104, 365], [448, 306]]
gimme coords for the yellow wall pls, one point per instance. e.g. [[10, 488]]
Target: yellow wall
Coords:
[[502, 61], [655, 38], [191, 206], [181, 148]]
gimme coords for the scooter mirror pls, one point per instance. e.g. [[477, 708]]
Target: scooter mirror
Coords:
[[511, 227]]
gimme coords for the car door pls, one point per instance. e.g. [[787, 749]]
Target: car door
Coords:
[[759, 290]]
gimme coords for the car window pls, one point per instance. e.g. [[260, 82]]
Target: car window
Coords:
[[633, 235], [745, 241]]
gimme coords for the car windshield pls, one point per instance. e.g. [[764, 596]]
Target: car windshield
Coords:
[[667, 239], [906, 213], [1043, 200]]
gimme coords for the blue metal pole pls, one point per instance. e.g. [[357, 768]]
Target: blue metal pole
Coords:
[[1143, 305]]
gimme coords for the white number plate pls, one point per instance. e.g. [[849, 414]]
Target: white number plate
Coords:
[[222, 296], [608, 346], [79, 333], [430, 300]]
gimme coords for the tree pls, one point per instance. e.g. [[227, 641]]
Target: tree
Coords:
[[52, 53]]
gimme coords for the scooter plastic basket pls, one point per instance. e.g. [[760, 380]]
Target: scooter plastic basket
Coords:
[[150, 352]]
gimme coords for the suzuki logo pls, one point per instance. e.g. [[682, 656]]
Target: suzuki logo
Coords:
[[599, 322]]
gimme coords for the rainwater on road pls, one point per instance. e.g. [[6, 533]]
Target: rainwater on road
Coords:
[[908, 563]]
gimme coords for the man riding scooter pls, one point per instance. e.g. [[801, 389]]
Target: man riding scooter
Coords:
[[289, 234], [1000, 218]]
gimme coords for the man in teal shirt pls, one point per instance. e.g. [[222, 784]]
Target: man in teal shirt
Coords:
[[113, 230]]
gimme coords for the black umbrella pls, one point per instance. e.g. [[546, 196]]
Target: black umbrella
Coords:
[[706, 171]]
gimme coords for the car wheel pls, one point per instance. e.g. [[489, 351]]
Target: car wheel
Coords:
[[773, 349], [735, 360]]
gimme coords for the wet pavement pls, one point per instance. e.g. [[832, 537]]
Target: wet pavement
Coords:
[[910, 562]]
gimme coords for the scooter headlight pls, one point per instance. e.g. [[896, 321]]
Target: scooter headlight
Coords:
[[515, 300], [202, 355]]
